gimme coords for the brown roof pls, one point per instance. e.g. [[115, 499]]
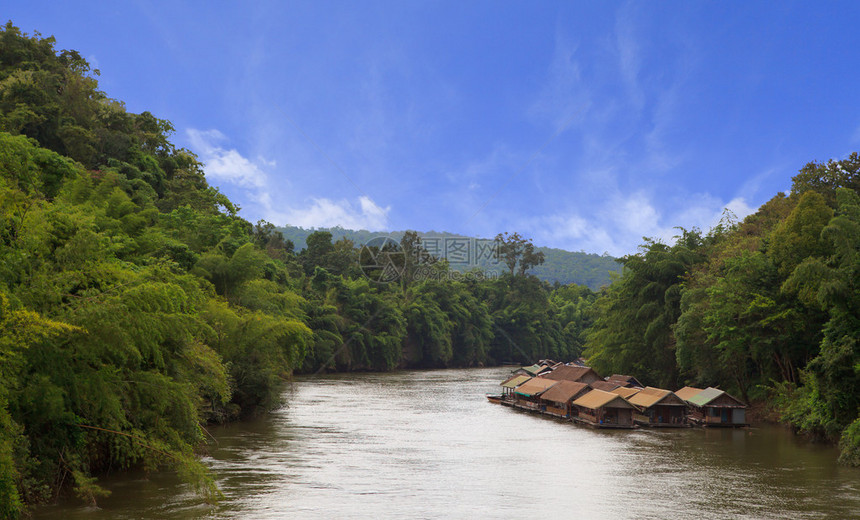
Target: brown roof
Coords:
[[564, 391], [606, 386], [687, 392], [624, 380], [569, 373], [600, 399], [651, 396], [535, 386], [625, 392]]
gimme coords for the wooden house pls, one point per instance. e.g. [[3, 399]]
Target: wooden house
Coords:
[[604, 410], [549, 363], [573, 373], [626, 392], [558, 398], [510, 384], [527, 395], [626, 381], [687, 392], [659, 408], [606, 386], [714, 407], [533, 370]]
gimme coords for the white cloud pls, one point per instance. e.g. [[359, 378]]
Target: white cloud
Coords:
[[226, 165], [628, 218], [322, 212], [739, 207], [629, 61], [230, 166], [565, 96], [498, 163]]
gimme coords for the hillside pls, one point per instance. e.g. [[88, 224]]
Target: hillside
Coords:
[[592, 270]]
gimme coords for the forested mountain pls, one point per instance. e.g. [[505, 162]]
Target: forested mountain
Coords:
[[559, 266], [137, 305]]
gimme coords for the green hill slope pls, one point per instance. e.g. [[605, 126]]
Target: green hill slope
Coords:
[[591, 270]]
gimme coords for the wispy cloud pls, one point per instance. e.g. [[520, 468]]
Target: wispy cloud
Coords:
[[628, 146], [564, 92], [629, 60], [226, 164], [620, 227], [322, 212]]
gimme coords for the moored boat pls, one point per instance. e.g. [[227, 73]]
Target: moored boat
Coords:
[[494, 398]]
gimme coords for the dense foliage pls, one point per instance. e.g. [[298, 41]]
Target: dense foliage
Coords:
[[766, 308], [136, 306]]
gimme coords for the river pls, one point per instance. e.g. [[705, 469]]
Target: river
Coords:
[[427, 444]]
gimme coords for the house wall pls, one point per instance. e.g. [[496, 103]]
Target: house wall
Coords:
[[588, 414], [556, 409], [621, 416], [667, 414]]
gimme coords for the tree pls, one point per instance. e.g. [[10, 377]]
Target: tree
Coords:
[[799, 235], [750, 325], [633, 330], [829, 401], [319, 246], [428, 331], [268, 238], [107, 358], [827, 178], [19, 330], [518, 253], [573, 305], [699, 359], [415, 259], [228, 273]]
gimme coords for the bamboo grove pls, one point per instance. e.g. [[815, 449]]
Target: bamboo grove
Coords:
[[137, 306]]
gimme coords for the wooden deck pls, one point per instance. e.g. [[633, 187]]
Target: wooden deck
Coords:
[[605, 425]]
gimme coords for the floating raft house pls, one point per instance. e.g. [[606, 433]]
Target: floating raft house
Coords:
[[714, 407], [558, 399], [658, 408], [527, 395], [578, 393], [604, 410]]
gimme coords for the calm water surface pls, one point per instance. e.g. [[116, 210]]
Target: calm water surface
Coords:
[[429, 445]]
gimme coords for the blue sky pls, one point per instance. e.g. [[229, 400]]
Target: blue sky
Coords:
[[584, 125]]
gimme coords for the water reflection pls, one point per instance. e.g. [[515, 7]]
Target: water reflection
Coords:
[[428, 445]]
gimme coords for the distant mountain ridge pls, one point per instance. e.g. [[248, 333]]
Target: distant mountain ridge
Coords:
[[589, 269]]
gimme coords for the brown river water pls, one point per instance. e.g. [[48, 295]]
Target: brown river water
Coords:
[[427, 444]]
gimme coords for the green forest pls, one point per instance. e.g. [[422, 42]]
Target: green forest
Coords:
[[137, 306], [564, 267]]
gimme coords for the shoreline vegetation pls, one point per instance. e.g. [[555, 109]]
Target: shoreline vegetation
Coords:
[[137, 306]]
